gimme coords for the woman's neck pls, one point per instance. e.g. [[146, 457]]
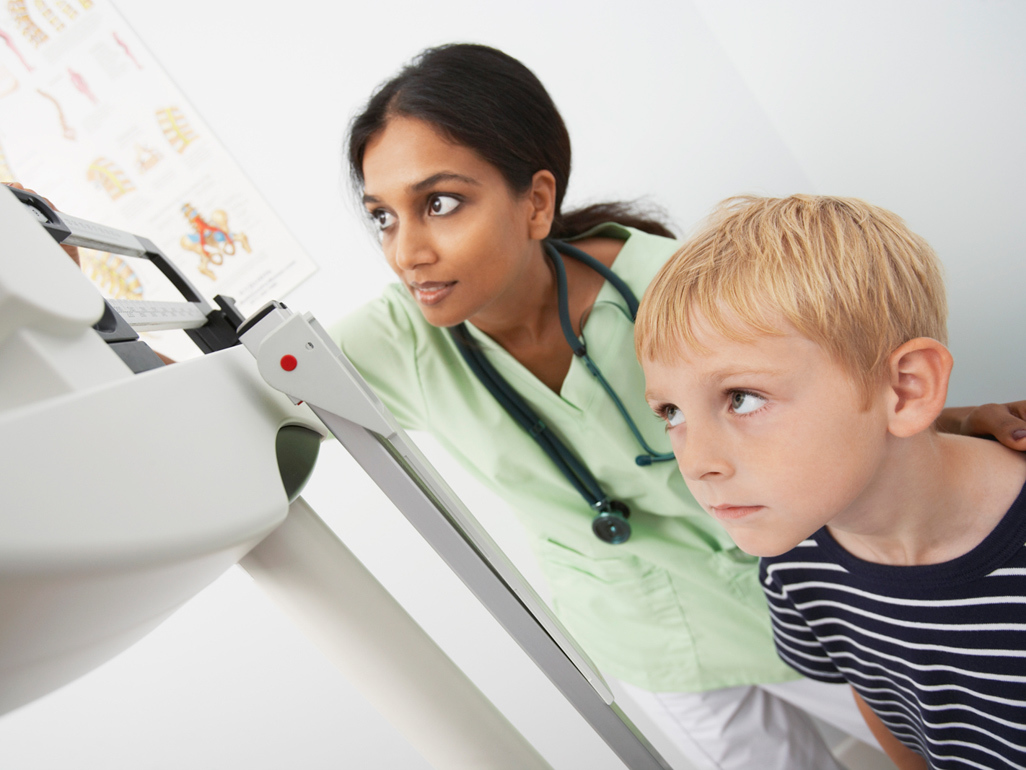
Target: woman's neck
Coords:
[[527, 323]]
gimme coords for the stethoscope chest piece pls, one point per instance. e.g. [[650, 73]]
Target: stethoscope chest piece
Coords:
[[610, 525]]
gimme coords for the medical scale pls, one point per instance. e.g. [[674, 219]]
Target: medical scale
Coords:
[[139, 511]]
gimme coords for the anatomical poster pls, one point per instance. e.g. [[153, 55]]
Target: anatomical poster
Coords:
[[89, 118]]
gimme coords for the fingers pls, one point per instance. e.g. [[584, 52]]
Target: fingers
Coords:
[[1005, 422], [71, 251], [19, 186]]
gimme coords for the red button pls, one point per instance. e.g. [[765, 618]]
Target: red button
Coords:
[[288, 363]]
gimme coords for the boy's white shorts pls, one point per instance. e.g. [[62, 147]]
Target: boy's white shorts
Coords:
[[767, 727]]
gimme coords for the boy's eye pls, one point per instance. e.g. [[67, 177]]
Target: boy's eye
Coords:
[[673, 416], [383, 219], [743, 402], [440, 205]]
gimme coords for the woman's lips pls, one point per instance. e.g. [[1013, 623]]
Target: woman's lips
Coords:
[[431, 292], [733, 512]]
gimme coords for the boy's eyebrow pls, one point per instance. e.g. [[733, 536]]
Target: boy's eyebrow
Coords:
[[654, 403], [721, 374], [429, 182]]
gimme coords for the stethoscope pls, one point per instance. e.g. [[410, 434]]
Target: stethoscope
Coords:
[[610, 523]]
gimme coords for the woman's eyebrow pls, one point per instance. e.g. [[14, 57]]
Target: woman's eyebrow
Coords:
[[442, 176], [426, 184]]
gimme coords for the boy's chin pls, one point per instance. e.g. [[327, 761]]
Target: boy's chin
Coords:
[[751, 543]]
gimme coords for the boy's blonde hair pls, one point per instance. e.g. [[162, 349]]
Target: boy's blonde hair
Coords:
[[847, 275]]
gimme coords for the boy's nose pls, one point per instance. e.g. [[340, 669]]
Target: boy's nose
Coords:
[[703, 456]]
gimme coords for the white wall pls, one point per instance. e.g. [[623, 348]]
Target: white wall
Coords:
[[916, 106]]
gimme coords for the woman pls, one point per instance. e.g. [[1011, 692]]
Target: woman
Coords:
[[462, 161]]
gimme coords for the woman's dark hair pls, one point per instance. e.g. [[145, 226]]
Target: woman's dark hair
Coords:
[[488, 101]]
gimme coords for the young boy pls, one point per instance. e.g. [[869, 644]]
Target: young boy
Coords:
[[795, 349]]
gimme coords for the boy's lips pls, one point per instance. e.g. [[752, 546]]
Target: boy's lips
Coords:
[[732, 512], [431, 292]]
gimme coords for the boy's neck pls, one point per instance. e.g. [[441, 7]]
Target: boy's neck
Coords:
[[935, 498]]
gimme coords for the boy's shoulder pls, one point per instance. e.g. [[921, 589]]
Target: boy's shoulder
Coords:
[[820, 561]]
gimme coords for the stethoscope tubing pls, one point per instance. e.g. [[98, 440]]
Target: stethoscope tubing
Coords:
[[610, 524], [572, 468], [552, 249]]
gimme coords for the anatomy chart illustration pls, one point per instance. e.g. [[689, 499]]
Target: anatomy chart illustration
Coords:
[[176, 128], [13, 47], [81, 86], [211, 239], [91, 120], [113, 274], [66, 129], [146, 158], [128, 51], [109, 177], [28, 28]]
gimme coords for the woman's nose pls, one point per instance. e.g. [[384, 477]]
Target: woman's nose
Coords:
[[412, 248]]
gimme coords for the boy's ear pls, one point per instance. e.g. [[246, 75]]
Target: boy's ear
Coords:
[[918, 374], [541, 198]]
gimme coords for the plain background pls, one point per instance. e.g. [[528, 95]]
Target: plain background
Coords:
[[914, 105]]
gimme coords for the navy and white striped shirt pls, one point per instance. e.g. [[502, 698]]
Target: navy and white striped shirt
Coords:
[[938, 651]]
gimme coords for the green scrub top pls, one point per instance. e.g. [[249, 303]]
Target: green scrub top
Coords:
[[677, 607]]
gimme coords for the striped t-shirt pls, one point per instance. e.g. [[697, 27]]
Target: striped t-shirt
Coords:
[[938, 651]]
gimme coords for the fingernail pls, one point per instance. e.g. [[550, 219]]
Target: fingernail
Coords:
[[1019, 435]]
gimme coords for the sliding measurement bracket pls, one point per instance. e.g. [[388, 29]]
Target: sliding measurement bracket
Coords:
[[210, 328]]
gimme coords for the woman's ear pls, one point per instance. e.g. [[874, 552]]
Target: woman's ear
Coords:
[[541, 200], [918, 374]]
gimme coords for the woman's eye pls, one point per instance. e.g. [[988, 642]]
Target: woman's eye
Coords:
[[383, 219], [673, 416], [743, 402], [440, 205]]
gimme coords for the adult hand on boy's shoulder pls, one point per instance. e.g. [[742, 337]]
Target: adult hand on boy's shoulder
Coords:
[[1005, 422]]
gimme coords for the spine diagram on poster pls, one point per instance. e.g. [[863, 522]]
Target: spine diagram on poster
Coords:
[[9, 41], [68, 131], [66, 9], [111, 274], [49, 15], [112, 179], [176, 129], [32, 31], [28, 28]]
